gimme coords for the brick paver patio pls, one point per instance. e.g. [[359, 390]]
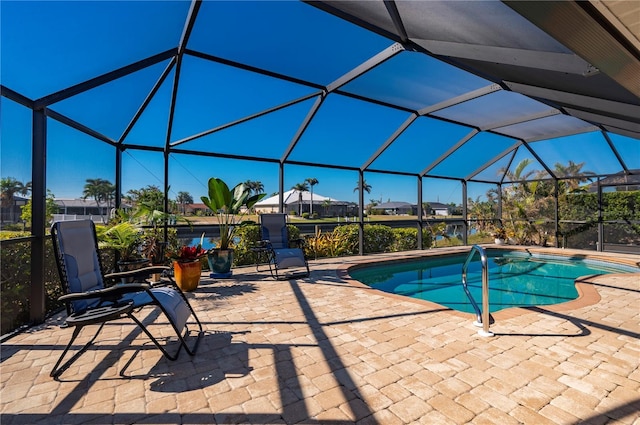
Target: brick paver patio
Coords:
[[325, 350]]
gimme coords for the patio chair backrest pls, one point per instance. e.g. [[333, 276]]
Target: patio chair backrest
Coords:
[[76, 249], [274, 229]]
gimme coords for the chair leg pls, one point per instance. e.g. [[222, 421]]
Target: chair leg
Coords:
[[190, 351], [273, 268], [155, 341], [56, 371], [181, 337]]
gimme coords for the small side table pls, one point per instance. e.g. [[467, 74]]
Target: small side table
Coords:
[[262, 256]]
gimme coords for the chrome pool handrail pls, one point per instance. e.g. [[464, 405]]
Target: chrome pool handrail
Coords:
[[482, 318]]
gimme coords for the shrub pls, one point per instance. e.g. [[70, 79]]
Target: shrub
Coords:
[[15, 266], [305, 215], [330, 244], [343, 240], [346, 239], [15, 227], [293, 231], [377, 238], [406, 239], [248, 236]]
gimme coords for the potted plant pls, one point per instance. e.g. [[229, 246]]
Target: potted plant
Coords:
[[499, 235], [227, 205], [153, 244], [125, 239], [186, 265]]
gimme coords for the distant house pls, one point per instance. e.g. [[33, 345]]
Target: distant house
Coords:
[[622, 182], [77, 209], [323, 205], [406, 208], [436, 208], [10, 214], [396, 208], [197, 209]]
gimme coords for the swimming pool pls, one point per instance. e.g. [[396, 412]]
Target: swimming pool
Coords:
[[516, 278]]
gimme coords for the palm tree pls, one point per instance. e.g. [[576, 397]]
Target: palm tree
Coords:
[[312, 182], [255, 187], [326, 204], [9, 186], [183, 199], [365, 186], [577, 176], [100, 190], [522, 202], [300, 187], [24, 189]]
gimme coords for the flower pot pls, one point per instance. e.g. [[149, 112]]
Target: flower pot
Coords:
[[499, 241], [187, 274], [220, 261]]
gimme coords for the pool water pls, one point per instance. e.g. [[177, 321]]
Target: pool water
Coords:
[[516, 279]]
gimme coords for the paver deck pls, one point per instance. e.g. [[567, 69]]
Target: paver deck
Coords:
[[325, 350]]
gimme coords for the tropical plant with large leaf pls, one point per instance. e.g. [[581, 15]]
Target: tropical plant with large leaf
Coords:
[[124, 238], [227, 204]]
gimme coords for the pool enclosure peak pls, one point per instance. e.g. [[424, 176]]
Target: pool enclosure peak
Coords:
[[457, 90]]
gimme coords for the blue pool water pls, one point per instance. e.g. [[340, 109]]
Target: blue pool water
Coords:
[[516, 279]]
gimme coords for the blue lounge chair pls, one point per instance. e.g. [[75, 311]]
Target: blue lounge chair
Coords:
[[90, 302], [280, 255]]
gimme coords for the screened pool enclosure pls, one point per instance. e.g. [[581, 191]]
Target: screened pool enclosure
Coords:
[[467, 103]]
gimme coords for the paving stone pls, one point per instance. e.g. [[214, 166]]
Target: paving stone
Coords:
[[395, 392], [417, 387], [331, 398], [618, 411], [382, 417], [495, 399], [356, 410], [549, 387], [374, 398], [558, 415], [382, 378], [452, 387], [451, 409], [530, 398], [410, 409], [472, 403]]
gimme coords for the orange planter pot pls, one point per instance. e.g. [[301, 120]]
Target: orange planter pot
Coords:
[[187, 275]]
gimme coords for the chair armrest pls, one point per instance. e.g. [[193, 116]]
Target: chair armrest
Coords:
[[111, 292], [137, 272]]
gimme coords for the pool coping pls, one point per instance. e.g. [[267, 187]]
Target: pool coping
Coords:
[[587, 293]]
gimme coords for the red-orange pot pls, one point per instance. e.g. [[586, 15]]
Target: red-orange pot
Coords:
[[187, 275]]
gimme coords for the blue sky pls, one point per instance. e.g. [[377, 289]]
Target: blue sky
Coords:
[[86, 39]]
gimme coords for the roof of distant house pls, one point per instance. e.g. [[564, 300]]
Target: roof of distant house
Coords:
[[617, 179], [402, 204], [393, 205], [293, 196], [438, 206]]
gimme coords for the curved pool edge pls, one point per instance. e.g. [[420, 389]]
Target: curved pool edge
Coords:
[[586, 285]]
